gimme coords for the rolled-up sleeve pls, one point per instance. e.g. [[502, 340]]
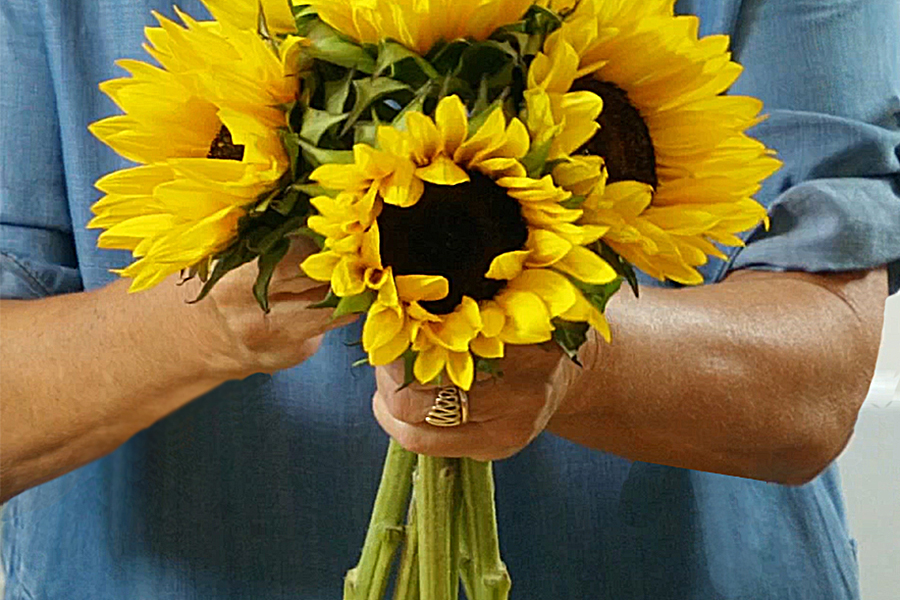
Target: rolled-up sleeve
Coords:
[[829, 74], [37, 254]]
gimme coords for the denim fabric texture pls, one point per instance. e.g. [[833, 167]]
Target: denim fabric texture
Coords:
[[262, 488]]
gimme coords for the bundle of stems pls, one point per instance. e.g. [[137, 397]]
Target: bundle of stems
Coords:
[[449, 534]]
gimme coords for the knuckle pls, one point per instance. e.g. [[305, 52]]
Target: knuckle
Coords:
[[514, 436], [402, 406], [411, 441]]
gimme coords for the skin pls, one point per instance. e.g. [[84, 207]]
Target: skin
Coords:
[[696, 378], [760, 376], [149, 354]]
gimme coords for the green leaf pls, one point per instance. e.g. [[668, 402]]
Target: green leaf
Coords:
[[267, 263], [303, 11], [291, 143], [417, 104], [541, 21], [285, 204], [536, 159], [451, 86], [369, 91], [622, 266], [269, 241], [330, 301], [570, 336], [478, 119], [598, 294], [484, 59], [445, 58], [365, 133], [229, 260], [330, 46], [491, 366], [573, 203], [352, 305], [337, 93], [266, 199], [320, 156], [390, 53], [317, 122], [313, 189], [409, 362]]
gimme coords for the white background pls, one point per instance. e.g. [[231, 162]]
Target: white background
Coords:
[[870, 468]]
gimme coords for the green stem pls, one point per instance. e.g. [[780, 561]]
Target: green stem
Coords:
[[368, 580], [436, 500], [486, 576], [407, 586]]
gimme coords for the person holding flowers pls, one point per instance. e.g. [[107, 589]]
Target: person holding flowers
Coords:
[[478, 178]]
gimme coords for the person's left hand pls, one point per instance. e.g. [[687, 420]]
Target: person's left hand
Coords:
[[505, 413]]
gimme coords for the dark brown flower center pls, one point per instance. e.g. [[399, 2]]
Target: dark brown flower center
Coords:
[[623, 140], [223, 147], [454, 231]]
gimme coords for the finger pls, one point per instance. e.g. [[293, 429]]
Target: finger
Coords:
[[472, 440], [296, 285], [412, 403], [289, 266], [287, 309]]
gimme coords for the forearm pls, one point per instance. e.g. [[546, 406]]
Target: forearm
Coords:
[[760, 376], [83, 373]]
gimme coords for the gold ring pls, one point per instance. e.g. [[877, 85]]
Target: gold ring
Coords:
[[450, 409]]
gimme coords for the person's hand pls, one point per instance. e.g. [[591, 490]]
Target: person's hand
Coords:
[[505, 413], [230, 325]]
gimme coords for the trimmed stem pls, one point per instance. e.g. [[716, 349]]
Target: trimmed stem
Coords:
[[485, 574], [407, 587], [368, 580], [436, 499]]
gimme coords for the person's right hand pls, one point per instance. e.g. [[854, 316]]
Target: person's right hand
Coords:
[[242, 339]]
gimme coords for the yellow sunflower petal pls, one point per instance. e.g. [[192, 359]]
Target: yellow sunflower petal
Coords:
[[584, 265], [493, 318], [442, 171], [487, 347], [461, 369], [421, 288], [450, 117], [245, 14], [429, 363], [528, 320], [508, 265], [555, 290], [546, 248], [424, 137], [419, 25], [583, 311], [349, 278], [388, 353], [382, 325]]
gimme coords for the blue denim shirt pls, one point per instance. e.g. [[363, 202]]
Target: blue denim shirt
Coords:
[[262, 488]]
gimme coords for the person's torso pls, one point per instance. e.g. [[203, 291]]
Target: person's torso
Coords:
[[262, 488]]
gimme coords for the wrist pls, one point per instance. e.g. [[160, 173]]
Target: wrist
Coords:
[[210, 348]]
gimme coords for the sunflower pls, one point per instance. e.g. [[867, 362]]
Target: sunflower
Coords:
[[245, 14], [460, 249], [677, 173], [204, 130], [417, 24]]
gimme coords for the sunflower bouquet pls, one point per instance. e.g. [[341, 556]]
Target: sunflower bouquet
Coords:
[[476, 174]]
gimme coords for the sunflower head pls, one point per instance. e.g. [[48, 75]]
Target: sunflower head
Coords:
[[679, 169], [205, 129], [418, 25], [458, 249]]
